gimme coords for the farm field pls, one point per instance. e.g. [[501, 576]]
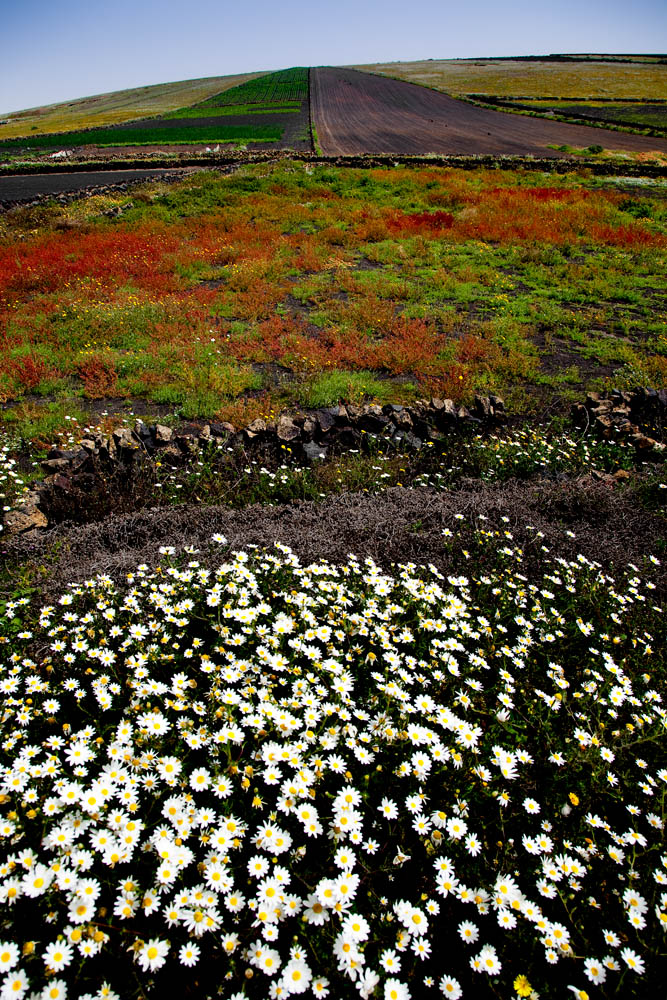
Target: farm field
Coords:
[[115, 108], [271, 110], [610, 77], [637, 114], [362, 113], [277, 725]]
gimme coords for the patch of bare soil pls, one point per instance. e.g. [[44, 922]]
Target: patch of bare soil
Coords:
[[395, 526], [25, 187], [356, 113]]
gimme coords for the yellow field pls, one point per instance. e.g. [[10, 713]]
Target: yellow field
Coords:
[[586, 78], [119, 106]]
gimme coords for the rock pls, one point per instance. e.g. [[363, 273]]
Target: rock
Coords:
[[309, 428], [604, 425], [483, 407], [257, 426], [125, 439], [314, 452], [141, 429], [349, 437], [463, 413], [81, 458], [421, 425], [27, 516], [325, 420], [642, 443], [90, 445], [107, 447], [171, 451], [579, 415], [446, 415], [624, 428], [189, 430], [372, 419], [403, 420], [188, 444], [287, 429], [406, 439], [60, 453], [498, 404], [55, 464], [222, 429], [24, 518], [340, 414]]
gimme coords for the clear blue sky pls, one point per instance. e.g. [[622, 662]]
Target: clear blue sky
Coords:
[[57, 50]]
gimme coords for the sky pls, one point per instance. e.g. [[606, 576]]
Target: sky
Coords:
[[58, 51]]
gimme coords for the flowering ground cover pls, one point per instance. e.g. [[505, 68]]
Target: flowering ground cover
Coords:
[[290, 283], [270, 779]]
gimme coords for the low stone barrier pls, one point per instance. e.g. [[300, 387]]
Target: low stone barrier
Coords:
[[310, 436], [623, 415]]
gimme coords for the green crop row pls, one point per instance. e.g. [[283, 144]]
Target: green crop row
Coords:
[[153, 136], [285, 86], [207, 111]]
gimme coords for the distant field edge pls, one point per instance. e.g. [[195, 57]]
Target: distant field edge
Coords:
[[643, 77], [562, 164]]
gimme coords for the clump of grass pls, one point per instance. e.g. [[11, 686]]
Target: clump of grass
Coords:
[[338, 385], [37, 426]]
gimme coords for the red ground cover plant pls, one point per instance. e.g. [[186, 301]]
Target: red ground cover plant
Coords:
[[47, 263], [98, 375], [28, 371], [274, 276], [419, 222]]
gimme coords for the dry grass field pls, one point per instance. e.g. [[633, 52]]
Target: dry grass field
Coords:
[[117, 107], [585, 78]]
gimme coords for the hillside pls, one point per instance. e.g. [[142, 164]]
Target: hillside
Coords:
[[117, 107], [592, 77]]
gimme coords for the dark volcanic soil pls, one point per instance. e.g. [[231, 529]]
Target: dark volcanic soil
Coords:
[[356, 112], [25, 187], [398, 525]]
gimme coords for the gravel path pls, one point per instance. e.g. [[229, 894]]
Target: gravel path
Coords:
[[356, 112]]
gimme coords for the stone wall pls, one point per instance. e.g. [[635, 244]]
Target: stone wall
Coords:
[[310, 436]]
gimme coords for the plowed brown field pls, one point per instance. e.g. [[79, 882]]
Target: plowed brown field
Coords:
[[356, 112]]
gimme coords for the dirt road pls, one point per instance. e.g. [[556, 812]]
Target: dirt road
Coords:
[[356, 112]]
